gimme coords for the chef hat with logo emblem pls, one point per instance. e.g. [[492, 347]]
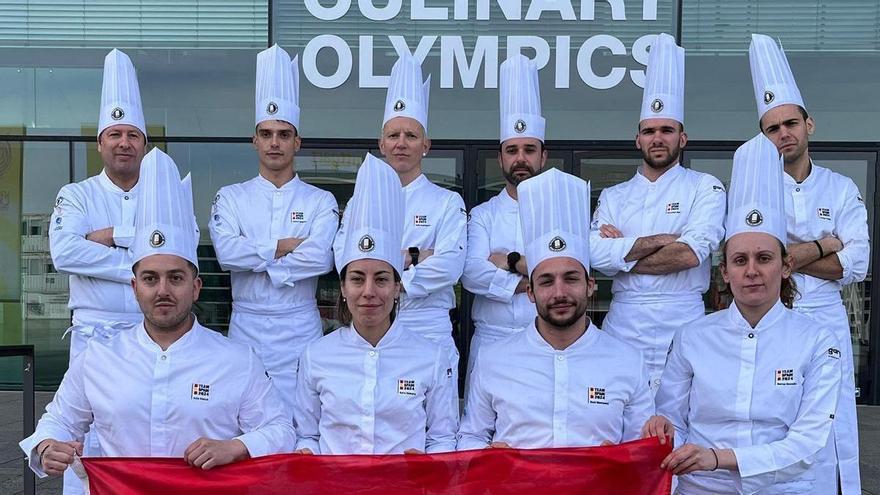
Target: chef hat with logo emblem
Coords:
[[407, 95], [772, 78], [120, 94], [520, 99], [277, 95], [663, 97], [554, 209], [756, 198], [374, 217], [165, 222]]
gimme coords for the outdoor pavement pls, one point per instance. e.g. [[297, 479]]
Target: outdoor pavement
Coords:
[[11, 457]]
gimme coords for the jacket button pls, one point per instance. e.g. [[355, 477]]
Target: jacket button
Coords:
[[751, 335]]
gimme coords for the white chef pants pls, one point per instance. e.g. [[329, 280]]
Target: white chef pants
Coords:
[[483, 336], [649, 321], [278, 337]]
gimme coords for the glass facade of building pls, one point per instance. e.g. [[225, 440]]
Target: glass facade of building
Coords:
[[196, 60]]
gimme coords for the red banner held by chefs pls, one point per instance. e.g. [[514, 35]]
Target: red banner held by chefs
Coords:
[[632, 468]]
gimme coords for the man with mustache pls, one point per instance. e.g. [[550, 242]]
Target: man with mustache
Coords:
[[827, 238], [561, 382], [655, 233], [169, 387], [495, 269], [92, 225]]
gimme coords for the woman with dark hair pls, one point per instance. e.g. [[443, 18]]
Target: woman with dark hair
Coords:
[[373, 386], [752, 389]]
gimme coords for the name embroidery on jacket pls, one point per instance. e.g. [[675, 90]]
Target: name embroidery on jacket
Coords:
[[406, 387], [673, 208], [596, 395], [824, 213], [201, 391], [785, 377], [297, 217], [421, 221]]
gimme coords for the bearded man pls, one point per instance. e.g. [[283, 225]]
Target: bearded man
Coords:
[[655, 233]]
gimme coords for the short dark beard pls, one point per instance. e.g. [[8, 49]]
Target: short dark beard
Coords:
[[172, 326], [512, 179], [544, 314], [657, 164]]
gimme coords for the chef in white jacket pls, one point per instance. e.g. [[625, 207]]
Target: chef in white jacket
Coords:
[[168, 387], [374, 386], [495, 267], [274, 232], [655, 233], [561, 382], [752, 389], [827, 234], [435, 223], [92, 225]]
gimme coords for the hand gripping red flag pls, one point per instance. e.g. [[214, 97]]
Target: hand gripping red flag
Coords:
[[632, 468]]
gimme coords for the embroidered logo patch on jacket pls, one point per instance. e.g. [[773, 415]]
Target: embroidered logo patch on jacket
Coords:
[[785, 377], [201, 391], [406, 387], [596, 395]]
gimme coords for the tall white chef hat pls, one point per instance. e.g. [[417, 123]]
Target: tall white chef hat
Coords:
[[554, 209], [165, 222], [663, 97], [120, 94], [772, 78], [277, 95], [407, 95], [520, 99], [374, 217], [756, 198]]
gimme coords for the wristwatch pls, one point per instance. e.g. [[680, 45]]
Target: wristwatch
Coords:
[[413, 255], [512, 259]]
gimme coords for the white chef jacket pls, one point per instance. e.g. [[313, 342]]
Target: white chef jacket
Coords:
[[435, 219], [827, 203], [247, 221], [530, 395], [494, 227], [146, 402], [681, 201], [353, 398], [100, 277], [728, 385], [647, 309]]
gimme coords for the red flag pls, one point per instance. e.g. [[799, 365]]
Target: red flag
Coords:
[[632, 468]]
